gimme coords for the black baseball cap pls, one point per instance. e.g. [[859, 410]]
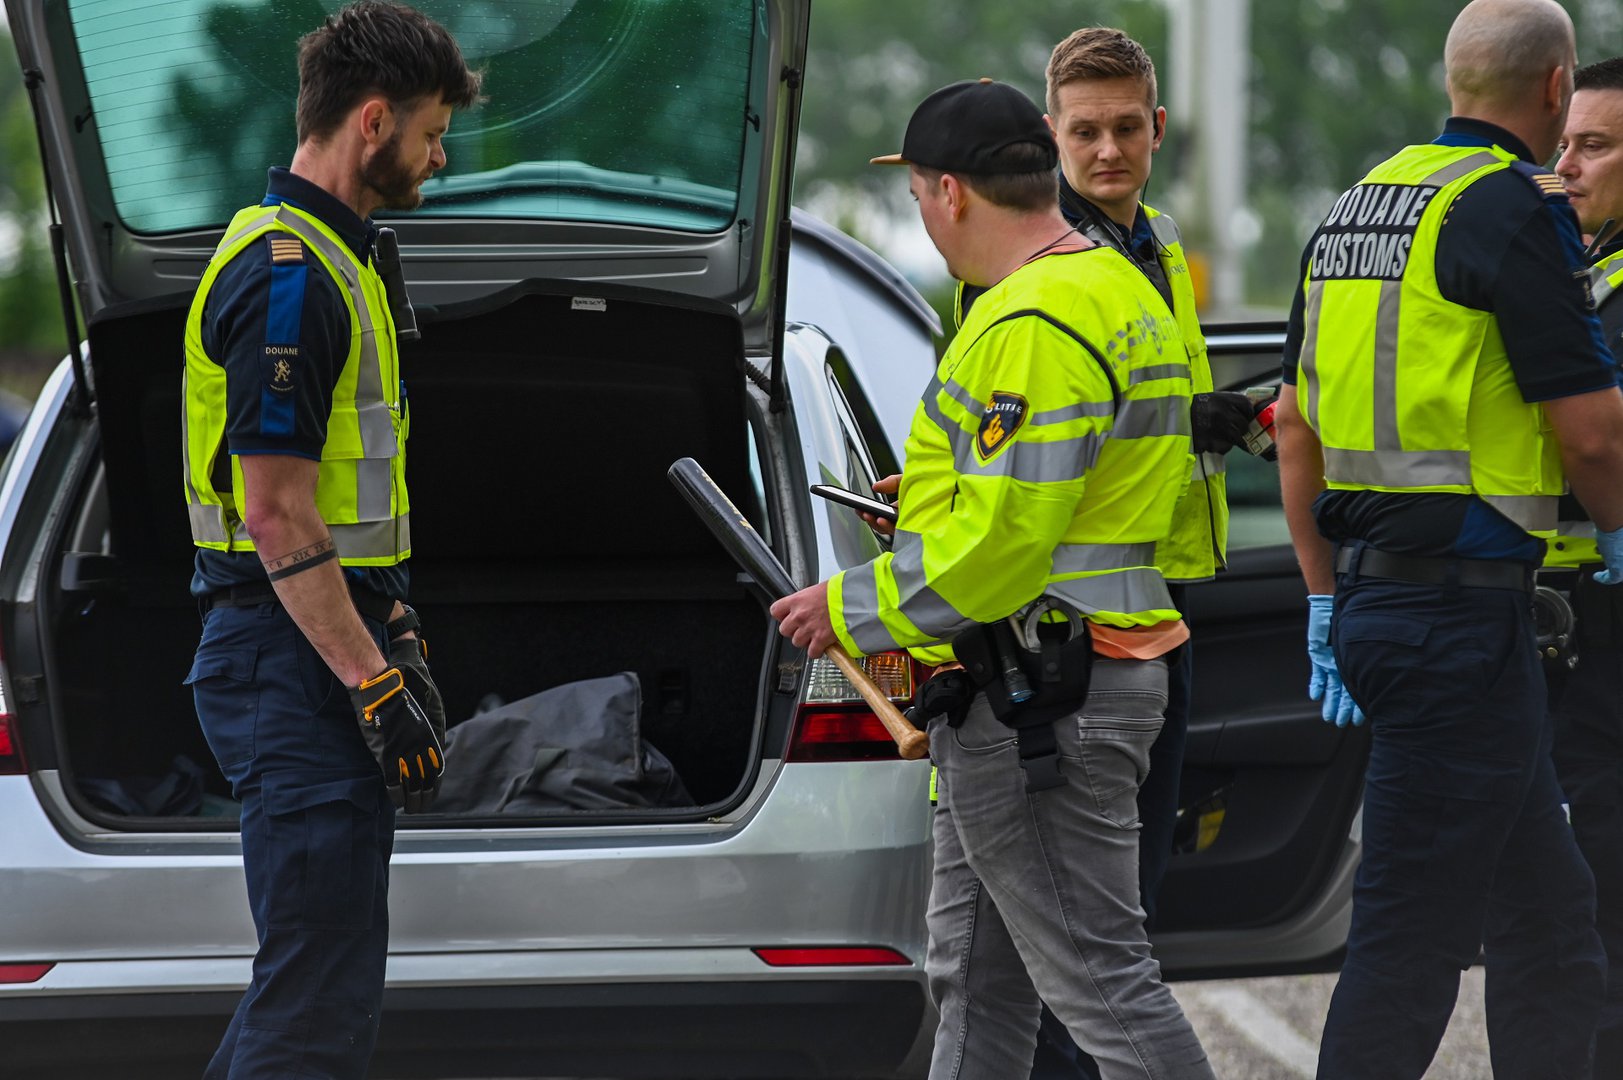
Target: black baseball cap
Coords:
[[965, 126]]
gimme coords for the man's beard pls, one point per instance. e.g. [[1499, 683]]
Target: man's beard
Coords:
[[391, 178]]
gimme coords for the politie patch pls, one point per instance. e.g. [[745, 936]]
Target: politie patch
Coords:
[[1003, 416]]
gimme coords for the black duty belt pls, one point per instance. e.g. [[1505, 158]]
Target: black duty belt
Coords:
[[1428, 570], [371, 605]]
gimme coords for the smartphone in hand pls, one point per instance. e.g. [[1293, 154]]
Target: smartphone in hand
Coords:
[[854, 501]]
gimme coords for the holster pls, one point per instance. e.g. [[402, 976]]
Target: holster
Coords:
[[946, 693], [1058, 673]]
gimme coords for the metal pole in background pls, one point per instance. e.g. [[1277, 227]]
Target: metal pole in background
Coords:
[[1209, 100]]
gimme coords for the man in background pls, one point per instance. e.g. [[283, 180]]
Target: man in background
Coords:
[[1586, 699]]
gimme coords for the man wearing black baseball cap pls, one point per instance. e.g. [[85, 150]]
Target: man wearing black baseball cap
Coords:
[[1043, 465]]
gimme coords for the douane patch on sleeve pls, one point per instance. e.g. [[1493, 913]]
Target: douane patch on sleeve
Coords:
[[278, 363], [1004, 414]]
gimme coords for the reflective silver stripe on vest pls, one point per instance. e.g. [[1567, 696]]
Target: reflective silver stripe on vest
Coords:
[[957, 437], [372, 539], [255, 223], [1125, 592], [1165, 230], [1143, 418], [923, 606], [860, 592], [1576, 530], [1388, 312], [1460, 169], [374, 484], [1081, 558], [208, 521], [208, 525], [1032, 461], [1602, 280], [1398, 468], [372, 404], [1152, 372], [957, 393], [1213, 464], [1385, 405], [1535, 513], [1079, 411], [1307, 365]]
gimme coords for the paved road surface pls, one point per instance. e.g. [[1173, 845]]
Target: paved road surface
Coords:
[[1268, 1029]]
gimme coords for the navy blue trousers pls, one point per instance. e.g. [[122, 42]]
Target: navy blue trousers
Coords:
[[1587, 704], [1058, 1056], [317, 832], [1466, 845]]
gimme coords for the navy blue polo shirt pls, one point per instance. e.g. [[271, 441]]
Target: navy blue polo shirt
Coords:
[[258, 304], [1507, 247], [1137, 243]]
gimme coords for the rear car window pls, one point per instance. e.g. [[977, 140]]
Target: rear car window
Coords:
[[619, 111]]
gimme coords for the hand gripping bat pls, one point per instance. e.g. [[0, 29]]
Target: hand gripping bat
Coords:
[[744, 544]]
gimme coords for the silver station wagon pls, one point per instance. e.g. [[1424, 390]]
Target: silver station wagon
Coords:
[[608, 277]]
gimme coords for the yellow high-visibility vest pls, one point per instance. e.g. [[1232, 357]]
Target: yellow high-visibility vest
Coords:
[[1198, 543], [1574, 542], [361, 486], [1407, 390], [1045, 459]]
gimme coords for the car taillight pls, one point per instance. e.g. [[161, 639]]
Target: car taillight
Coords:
[[23, 973], [11, 753], [836, 956], [835, 724]]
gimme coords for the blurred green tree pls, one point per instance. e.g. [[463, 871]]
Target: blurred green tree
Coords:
[[1336, 86], [30, 316]]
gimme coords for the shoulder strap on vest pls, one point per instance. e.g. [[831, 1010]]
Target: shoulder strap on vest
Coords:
[[1098, 357]]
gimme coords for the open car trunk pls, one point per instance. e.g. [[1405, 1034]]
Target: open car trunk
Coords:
[[548, 546]]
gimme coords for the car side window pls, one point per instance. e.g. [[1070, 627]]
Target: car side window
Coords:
[[861, 414], [757, 511], [860, 469]]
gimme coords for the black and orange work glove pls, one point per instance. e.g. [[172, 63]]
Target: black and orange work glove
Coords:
[[398, 732], [412, 652]]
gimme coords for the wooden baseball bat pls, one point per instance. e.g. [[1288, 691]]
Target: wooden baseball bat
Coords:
[[744, 544]]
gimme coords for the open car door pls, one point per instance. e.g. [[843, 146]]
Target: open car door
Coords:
[[1268, 839]]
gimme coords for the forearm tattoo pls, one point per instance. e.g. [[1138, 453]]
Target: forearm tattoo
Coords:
[[297, 562]]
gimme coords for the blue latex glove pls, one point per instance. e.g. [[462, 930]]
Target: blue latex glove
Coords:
[[1611, 553], [1325, 685]]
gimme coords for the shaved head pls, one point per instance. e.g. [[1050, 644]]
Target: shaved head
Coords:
[[1498, 51]]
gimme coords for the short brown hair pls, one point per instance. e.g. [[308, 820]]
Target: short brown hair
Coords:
[[1028, 185], [1098, 52], [377, 47]]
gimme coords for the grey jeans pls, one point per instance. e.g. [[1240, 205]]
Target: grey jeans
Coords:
[[1036, 895]]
